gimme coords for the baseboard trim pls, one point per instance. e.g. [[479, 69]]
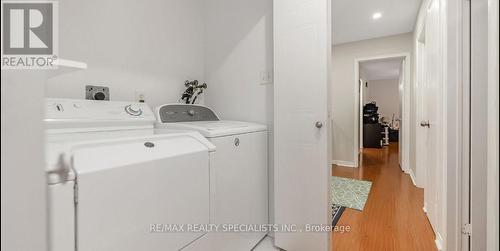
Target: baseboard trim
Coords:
[[412, 177], [344, 163], [439, 242]]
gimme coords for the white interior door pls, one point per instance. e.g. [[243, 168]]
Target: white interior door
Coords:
[[421, 132], [302, 51], [432, 122]]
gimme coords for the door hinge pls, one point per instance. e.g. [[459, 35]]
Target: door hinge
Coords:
[[75, 193], [467, 229]]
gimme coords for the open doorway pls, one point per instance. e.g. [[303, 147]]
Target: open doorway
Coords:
[[382, 104]]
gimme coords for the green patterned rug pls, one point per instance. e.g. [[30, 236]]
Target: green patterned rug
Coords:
[[349, 192]]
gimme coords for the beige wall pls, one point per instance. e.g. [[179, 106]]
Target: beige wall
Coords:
[[343, 87], [386, 93]]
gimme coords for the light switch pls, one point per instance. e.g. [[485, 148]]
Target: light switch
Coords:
[[266, 77]]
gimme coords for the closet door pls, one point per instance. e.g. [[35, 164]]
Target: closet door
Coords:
[[302, 51]]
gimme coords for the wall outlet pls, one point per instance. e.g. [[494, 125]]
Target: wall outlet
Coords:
[[266, 77], [94, 92], [140, 96]]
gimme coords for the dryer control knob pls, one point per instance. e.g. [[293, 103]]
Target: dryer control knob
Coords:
[[133, 110]]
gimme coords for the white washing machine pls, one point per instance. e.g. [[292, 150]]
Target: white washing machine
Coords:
[[238, 173], [114, 185]]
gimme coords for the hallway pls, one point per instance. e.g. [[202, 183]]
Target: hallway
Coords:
[[393, 218]]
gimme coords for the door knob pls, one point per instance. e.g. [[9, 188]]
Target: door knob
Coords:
[[318, 124], [425, 124]]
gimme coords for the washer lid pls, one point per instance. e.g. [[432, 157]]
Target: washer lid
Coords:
[[106, 155], [114, 153], [211, 129]]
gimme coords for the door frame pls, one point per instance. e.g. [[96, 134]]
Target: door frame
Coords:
[[493, 160], [360, 111], [463, 193], [405, 112], [483, 55], [457, 129]]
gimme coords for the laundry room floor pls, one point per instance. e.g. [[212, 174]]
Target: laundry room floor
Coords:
[[393, 218]]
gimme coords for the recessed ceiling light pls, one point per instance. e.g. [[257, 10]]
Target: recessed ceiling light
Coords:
[[377, 15]]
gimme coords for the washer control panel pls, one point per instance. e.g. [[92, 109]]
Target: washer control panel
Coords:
[[94, 110], [170, 113], [133, 110]]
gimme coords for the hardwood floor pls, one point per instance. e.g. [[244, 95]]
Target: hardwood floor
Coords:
[[392, 218]]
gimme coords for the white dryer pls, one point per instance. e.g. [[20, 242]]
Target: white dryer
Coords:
[[238, 173], [114, 185]]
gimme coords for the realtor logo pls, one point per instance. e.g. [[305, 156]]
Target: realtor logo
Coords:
[[28, 34]]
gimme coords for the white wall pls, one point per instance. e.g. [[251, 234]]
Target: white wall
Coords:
[[452, 205], [24, 185], [386, 93], [239, 45], [131, 45], [343, 86]]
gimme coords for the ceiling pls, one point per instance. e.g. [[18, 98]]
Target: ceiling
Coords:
[[352, 19], [380, 69]]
